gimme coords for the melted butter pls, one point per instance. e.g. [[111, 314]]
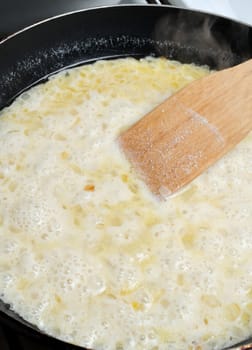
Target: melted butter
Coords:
[[86, 252]]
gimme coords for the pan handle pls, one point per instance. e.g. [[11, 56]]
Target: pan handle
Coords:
[[158, 2]]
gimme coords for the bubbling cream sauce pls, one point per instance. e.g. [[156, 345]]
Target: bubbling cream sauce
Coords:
[[86, 252]]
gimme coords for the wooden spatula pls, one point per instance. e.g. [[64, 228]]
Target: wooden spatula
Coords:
[[191, 130]]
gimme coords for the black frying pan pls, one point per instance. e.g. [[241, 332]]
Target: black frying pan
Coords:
[[80, 37]]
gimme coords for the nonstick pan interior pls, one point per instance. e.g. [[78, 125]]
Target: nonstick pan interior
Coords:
[[187, 36], [85, 36]]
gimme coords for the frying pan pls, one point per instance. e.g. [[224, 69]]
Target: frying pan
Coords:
[[31, 55]]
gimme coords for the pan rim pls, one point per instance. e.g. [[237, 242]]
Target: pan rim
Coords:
[[69, 13]]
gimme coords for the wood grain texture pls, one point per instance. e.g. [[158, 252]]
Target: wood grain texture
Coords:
[[191, 130]]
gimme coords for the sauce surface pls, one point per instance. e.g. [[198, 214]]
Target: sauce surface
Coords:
[[87, 253]]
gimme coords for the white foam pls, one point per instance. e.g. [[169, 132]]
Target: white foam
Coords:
[[86, 252]]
